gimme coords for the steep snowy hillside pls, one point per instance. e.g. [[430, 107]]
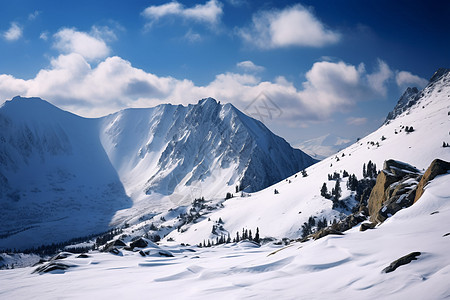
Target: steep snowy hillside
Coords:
[[334, 267], [57, 181], [416, 136], [68, 177], [324, 146]]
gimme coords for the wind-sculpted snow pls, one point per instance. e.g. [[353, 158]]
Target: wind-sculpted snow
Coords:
[[336, 267]]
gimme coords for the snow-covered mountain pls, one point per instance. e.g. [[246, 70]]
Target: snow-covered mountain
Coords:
[[415, 136], [354, 264], [63, 176], [323, 146]]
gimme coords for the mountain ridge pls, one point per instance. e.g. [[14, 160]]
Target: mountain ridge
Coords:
[[154, 158]]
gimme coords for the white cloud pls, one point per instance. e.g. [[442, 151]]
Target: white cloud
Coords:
[[210, 12], [90, 46], [356, 121], [192, 36], [13, 33], [404, 78], [44, 35], [378, 79], [72, 83], [292, 26], [249, 66], [32, 16]]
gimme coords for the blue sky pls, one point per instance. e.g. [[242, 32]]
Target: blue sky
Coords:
[[318, 66]]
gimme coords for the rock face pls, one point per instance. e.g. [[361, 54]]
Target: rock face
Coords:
[[408, 99], [437, 167], [395, 189]]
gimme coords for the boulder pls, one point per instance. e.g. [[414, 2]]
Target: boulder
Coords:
[[365, 226], [394, 189], [51, 266], [437, 167], [139, 243], [324, 232], [404, 260], [119, 243], [61, 255], [378, 196]]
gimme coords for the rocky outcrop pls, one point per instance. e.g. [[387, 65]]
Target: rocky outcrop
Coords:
[[395, 189], [437, 167], [404, 260]]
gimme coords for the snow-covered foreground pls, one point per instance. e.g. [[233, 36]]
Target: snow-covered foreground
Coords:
[[335, 266]]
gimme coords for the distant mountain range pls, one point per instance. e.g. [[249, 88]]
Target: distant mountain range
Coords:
[[323, 146]]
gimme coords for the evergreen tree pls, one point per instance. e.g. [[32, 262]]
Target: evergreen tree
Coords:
[[337, 191], [256, 239], [364, 171]]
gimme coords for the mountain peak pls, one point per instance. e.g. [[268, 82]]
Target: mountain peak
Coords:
[[208, 101], [439, 74]]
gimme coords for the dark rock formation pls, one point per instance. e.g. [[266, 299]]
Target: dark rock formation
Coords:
[[365, 226], [51, 266], [324, 232], [395, 189], [404, 260], [437, 167], [140, 243]]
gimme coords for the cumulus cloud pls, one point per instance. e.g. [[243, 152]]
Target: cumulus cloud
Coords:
[[356, 121], [90, 46], [73, 83], [292, 26], [378, 79], [249, 66], [210, 12], [13, 33], [404, 79]]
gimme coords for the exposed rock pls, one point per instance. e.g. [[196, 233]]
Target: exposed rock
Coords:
[[140, 243], [51, 266], [408, 99], [119, 243], [115, 251], [404, 260], [437, 167], [165, 253], [83, 255], [324, 232], [395, 189], [61, 255], [365, 226]]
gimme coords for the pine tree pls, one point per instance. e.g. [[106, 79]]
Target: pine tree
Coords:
[[256, 239], [324, 190], [364, 171], [337, 191]]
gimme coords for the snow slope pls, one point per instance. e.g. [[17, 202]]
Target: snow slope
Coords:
[[335, 267], [281, 215], [68, 176], [58, 181]]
